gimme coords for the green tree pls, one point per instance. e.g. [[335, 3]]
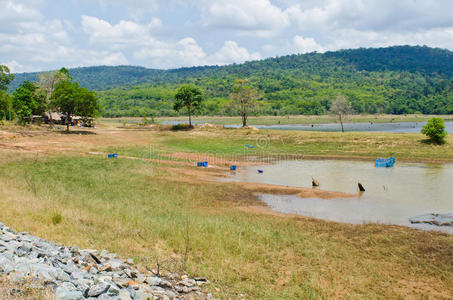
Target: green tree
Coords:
[[5, 77], [5, 99], [435, 130], [27, 101], [189, 97], [70, 99], [5, 105], [340, 107], [244, 96], [48, 82]]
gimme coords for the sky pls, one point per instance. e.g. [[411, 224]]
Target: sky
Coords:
[[40, 35]]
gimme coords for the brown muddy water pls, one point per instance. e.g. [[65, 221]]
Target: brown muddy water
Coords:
[[392, 196]]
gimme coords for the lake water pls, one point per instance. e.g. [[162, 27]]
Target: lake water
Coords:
[[392, 196], [402, 127]]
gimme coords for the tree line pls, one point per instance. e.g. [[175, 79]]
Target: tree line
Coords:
[[393, 80], [55, 91]]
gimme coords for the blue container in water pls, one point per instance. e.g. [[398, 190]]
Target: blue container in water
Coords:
[[233, 168], [205, 164], [384, 162], [260, 171], [114, 155], [199, 164]]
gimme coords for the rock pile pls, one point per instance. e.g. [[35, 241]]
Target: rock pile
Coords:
[[87, 274]]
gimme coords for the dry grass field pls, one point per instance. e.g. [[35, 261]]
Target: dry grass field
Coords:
[[153, 205]]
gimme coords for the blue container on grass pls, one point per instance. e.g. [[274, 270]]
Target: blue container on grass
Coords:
[[233, 168], [205, 164], [114, 155], [260, 171], [199, 164]]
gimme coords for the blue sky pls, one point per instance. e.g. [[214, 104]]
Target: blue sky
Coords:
[[38, 35]]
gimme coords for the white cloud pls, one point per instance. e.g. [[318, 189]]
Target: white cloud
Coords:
[[258, 17], [136, 4], [28, 38], [15, 15], [125, 32], [306, 45], [340, 24], [351, 38], [14, 66], [187, 52], [368, 15], [33, 36], [231, 52]]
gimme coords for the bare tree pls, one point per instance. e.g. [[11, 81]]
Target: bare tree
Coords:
[[341, 107], [244, 96]]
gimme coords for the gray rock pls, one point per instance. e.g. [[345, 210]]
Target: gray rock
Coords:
[[23, 250], [43, 272], [434, 219], [188, 282], [6, 266], [83, 284], [85, 274], [142, 295], [124, 295], [153, 280], [171, 295], [17, 276], [165, 284], [116, 264], [65, 294], [96, 290]]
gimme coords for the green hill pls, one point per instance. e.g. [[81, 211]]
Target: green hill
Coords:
[[400, 79]]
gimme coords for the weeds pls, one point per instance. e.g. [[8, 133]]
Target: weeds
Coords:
[[56, 218], [31, 184]]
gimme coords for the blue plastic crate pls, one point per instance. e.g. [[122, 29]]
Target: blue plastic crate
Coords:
[[199, 164], [113, 155], [233, 168], [205, 164], [384, 162]]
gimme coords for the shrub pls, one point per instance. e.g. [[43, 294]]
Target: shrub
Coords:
[[181, 126], [435, 130], [56, 218]]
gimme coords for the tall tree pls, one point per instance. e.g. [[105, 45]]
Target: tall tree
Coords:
[[48, 82], [341, 107], [27, 101], [5, 105], [70, 99], [244, 96], [5, 77], [189, 97]]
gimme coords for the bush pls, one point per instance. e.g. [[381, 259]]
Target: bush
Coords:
[[435, 130], [57, 218], [181, 126]]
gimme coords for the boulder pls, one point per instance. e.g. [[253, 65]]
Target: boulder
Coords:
[[96, 290], [65, 294]]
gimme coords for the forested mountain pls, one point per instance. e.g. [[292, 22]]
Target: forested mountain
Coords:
[[400, 79]]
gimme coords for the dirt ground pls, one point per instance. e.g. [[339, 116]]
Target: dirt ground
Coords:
[[86, 142]]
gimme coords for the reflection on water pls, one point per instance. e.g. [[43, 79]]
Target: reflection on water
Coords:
[[392, 196]]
